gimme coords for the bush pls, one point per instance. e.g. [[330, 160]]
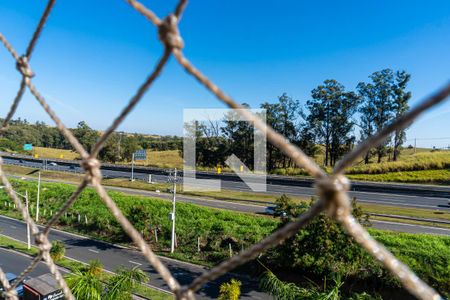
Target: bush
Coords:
[[230, 290], [57, 251]]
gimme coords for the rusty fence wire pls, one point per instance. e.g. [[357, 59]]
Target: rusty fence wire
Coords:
[[331, 189]]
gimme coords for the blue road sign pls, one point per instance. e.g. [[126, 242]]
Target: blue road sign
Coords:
[[27, 147], [140, 155]]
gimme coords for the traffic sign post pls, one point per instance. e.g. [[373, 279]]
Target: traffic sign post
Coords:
[[132, 167], [137, 155], [140, 155]]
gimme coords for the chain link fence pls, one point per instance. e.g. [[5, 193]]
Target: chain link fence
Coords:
[[331, 189]]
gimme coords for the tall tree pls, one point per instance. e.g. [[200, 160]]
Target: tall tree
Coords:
[[383, 99], [239, 135], [130, 145], [283, 117], [273, 153], [330, 117], [86, 135], [401, 99], [288, 112]]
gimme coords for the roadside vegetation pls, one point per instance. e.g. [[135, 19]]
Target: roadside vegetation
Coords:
[[436, 160], [438, 177], [163, 159], [57, 250], [88, 283], [318, 252], [233, 196]]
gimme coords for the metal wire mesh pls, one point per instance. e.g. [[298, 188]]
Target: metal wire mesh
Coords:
[[331, 189]]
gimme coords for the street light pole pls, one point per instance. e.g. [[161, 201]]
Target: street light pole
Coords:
[[132, 167], [38, 195], [172, 247], [28, 226], [118, 146]]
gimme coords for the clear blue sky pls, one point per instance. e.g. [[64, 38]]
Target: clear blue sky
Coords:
[[96, 53]]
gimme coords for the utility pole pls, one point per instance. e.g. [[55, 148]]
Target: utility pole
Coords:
[[132, 167], [118, 146], [174, 180], [28, 225], [415, 144], [38, 195]]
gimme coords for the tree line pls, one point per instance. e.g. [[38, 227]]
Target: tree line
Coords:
[[331, 122], [119, 147]]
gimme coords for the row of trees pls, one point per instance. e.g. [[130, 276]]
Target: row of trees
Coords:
[[329, 122], [120, 146]]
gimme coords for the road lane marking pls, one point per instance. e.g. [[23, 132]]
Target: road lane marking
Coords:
[[92, 250], [13, 227], [136, 263]]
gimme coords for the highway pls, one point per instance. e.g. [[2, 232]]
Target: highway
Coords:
[[418, 196], [112, 257], [13, 262], [400, 200], [252, 207]]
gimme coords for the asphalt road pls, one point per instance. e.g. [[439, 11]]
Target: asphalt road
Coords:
[[112, 257], [409, 228], [13, 262], [427, 197]]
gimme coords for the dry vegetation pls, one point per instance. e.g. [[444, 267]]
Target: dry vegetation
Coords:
[[55, 153], [436, 160], [163, 159]]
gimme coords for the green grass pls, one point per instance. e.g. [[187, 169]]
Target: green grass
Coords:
[[8, 243], [428, 256], [148, 214], [238, 196], [441, 177], [71, 265]]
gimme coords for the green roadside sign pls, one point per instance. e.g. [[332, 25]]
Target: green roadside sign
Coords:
[[27, 147]]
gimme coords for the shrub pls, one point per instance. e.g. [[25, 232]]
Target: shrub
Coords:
[[57, 251], [230, 290]]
